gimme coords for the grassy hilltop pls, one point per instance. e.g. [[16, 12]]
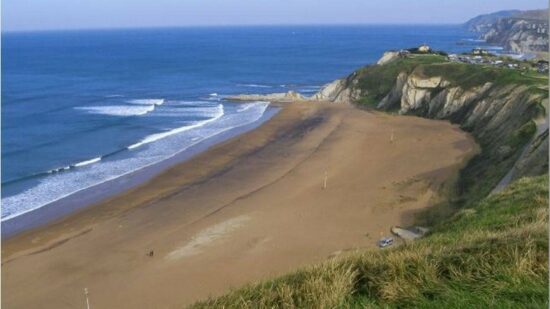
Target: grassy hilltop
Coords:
[[378, 80]]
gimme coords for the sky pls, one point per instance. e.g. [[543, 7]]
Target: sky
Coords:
[[25, 15]]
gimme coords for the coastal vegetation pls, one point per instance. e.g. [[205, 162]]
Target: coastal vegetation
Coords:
[[377, 80], [492, 254]]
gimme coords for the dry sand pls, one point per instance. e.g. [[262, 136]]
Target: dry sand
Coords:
[[245, 210]]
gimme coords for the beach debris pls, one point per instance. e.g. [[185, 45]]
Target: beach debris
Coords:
[[392, 136], [151, 253], [325, 180], [385, 242], [411, 233]]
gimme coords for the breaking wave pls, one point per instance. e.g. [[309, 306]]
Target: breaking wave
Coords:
[[155, 137], [118, 110], [58, 183], [248, 106], [254, 86], [87, 162], [147, 101]]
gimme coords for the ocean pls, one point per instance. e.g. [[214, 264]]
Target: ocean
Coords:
[[82, 108]]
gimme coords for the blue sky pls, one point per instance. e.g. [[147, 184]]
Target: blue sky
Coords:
[[84, 14]]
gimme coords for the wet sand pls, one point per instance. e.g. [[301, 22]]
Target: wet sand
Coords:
[[248, 209]]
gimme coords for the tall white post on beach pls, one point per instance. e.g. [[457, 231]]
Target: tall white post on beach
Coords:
[[87, 301], [325, 181]]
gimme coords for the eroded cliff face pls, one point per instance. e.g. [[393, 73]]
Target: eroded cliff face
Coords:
[[479, 109], [508, 121], [339, 91], [517, 31], [482, 23], [519, 35]]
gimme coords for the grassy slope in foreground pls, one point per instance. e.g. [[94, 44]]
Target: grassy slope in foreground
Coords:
[[494, 254]]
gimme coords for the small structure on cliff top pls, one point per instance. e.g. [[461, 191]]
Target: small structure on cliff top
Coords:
[[424, 48], [479, 51]]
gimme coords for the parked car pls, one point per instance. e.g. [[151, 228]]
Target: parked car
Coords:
[[385, 242]]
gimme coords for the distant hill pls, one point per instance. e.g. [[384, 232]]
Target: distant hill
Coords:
[[533, 14], [482, 22], [516, 31]]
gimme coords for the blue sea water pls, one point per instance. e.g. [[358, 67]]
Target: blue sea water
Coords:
[[83, 107]]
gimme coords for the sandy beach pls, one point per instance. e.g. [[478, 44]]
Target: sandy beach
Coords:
[[315, 180]]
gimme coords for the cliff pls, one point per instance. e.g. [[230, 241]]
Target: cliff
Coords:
[[519, 34], [482, 23], [516, 31], [504, 110]]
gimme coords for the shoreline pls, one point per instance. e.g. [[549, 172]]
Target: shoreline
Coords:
[[246, 209], [91, 196]]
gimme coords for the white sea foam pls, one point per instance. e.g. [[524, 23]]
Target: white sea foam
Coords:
[[254, 86], [114, 96], [155, 137], [213, 97], [60, 169], [193, 103], [190, 109], [87, 162], [474, 40], [247, 106], [118, 110], [57, 186], [147, 101]]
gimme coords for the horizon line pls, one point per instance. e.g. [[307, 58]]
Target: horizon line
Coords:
[[225, 26]]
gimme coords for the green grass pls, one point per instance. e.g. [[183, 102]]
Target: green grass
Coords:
[[521, 136], [376, 81], [486, 170], [468, 75], [491, 255]]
